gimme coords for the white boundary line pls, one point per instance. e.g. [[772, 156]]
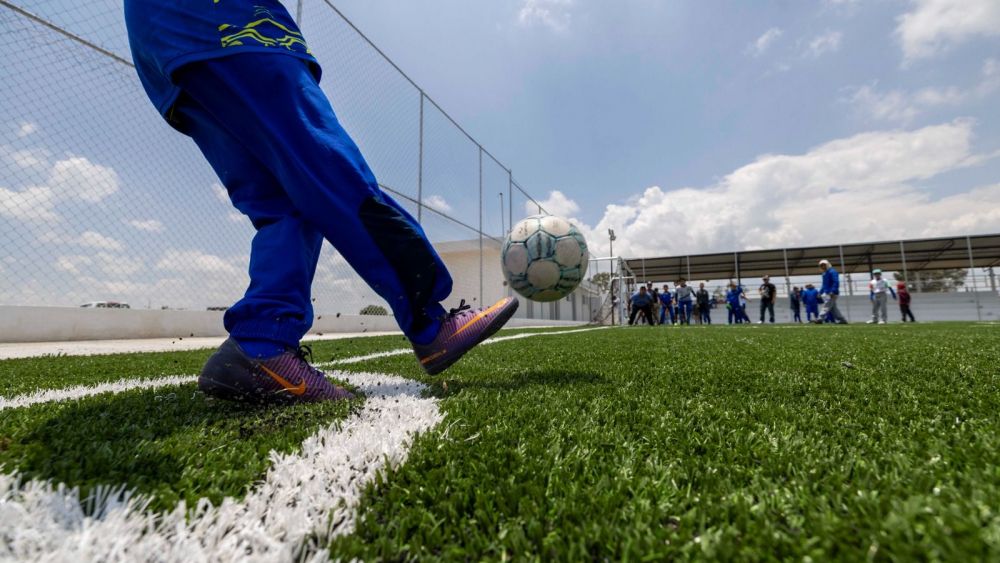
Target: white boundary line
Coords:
[[306, 499], [81, 391]]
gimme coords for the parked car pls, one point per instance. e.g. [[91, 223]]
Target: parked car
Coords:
[[105, 305]]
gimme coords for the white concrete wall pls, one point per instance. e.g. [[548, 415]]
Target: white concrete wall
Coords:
[[54, 324]]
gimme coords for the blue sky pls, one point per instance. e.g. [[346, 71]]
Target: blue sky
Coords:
[[604, 100], [686, 126]]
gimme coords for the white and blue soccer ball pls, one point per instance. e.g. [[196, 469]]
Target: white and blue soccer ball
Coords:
[[544, 258]]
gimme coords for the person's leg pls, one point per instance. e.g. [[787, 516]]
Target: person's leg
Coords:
[[770, 310], [276, 310], [261, 362], [631, 315], [273, 104], [835, 310], [763, 307]]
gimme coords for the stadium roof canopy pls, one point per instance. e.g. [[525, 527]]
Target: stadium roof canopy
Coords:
[[899, 255]]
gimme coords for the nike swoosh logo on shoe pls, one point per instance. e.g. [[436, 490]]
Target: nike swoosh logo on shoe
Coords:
[[433, 356], [478, 316], [299, 389]]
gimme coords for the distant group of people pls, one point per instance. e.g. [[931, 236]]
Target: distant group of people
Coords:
[[648, 303], [653, 306]]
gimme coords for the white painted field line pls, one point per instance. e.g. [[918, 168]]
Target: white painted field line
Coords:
[[494, 340], [306, 499], [81, 391]]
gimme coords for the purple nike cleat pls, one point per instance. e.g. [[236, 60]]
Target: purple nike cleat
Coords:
[[461, 331], [284, 379]]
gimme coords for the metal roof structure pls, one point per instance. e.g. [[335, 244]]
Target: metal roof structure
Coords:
[[975, 251]]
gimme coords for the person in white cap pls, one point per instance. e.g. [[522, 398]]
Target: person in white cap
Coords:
[[878, 291], [830, 289]]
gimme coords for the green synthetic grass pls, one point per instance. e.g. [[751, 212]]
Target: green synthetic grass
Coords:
[[720, 442], [744, 442]]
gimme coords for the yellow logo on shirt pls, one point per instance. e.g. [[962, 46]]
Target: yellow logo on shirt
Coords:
[[265, 31]]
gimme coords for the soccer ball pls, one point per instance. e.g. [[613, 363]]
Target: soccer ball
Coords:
[[544, 258]]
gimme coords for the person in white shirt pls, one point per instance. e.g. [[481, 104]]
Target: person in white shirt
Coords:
[[879, 290]]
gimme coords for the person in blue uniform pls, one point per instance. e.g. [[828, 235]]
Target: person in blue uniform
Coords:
[[831, 291], [239, 79], [810, 298]]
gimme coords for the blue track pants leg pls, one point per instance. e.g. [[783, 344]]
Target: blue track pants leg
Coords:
[[273, 138]]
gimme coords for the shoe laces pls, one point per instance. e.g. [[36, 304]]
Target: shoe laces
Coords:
[[458, 310], [305, 354]]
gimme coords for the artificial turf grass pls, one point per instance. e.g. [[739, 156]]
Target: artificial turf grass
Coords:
[[747, 442], [723, 442], [169, 444]]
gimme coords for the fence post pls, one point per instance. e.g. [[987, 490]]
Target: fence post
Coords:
[[972, 270], [510, 199], [298, 14], [481, 258], [902, 253], [420, 164], [843, 270], [788, 279]]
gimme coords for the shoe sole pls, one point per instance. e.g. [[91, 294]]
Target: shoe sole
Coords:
[[490, 329]]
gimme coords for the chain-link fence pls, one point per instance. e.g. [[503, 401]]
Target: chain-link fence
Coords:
[[100, 201]]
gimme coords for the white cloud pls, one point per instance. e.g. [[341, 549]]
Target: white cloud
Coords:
[[760, 46], [864, 187], [92, 239], [87, 239], [190, 261], [28, 158], [556, 204], [220, 193], [31, 204], [26, 128], [437, 202], [72, 264], [149, 225], [901, 106], [76, 177], [118, 265], [553, 14], [829, 42], [934, 26]]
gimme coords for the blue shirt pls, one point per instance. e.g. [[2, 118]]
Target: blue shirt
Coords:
[[164, 35], [641, 300], [831, 282], [810, 296], [733, 297], [666, 298]]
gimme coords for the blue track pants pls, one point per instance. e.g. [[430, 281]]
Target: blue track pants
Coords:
[[273, 139]]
